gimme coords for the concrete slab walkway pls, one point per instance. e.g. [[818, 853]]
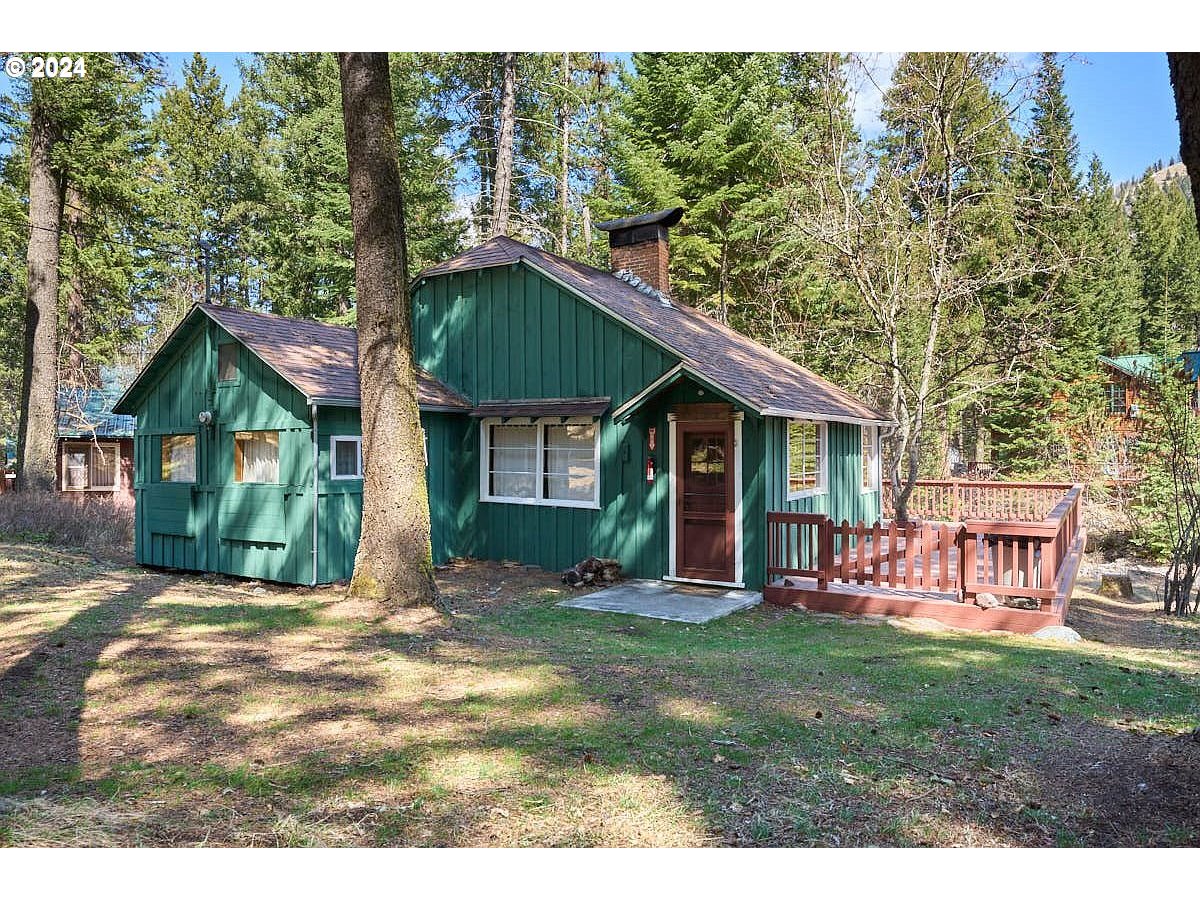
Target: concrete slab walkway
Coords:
[[674, 602]]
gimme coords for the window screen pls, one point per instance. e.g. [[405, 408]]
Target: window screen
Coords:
[[227, 362], [178, 457], [347, 458]]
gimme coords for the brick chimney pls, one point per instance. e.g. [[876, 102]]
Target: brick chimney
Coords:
[[638, 248]]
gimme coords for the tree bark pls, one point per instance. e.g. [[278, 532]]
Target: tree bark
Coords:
[[36, 436], [73, 215], [1185, 79], [502, 188], [564, 153], [393, 564]]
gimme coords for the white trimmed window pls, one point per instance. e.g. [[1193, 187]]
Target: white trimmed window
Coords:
[[89, 466], [805, 459], [178, 461], [345, 457], [256, 457], [551, 462], [870, 457]]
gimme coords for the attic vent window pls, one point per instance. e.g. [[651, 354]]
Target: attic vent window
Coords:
[[227, 362], [633, 281]]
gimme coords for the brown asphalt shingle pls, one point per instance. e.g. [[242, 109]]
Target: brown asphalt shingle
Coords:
[[731, 361], [319, 360]]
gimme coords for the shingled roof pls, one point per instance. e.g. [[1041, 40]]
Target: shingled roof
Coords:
[[318, 360], [766, 381]]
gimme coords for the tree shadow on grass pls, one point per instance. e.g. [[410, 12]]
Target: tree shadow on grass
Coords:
[[42, 694]]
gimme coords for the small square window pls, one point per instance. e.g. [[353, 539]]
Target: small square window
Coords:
[[227, 362], [256, 457], [346, 457]]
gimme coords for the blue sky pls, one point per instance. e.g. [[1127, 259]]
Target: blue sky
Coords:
[[1124, 109]]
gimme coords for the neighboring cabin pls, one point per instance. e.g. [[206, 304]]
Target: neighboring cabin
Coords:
[[95, 444], [1128, 378], [568, 411]]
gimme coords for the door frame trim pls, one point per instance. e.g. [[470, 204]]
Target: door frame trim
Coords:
[[739, 578]]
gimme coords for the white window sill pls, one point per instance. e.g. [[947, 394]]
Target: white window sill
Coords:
[[345, 478], [804, 495], [532, 501]]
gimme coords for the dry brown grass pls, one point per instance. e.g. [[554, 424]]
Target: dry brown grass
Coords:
[[98, 525], [140, 707]]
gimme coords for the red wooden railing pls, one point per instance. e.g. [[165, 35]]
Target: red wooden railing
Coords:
[[910, 555], [1006, 556], [1022, 559], [956, 501]]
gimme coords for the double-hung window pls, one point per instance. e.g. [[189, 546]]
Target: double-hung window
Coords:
[[805, 458], [551, 462], [870, 457], [1116, 399]]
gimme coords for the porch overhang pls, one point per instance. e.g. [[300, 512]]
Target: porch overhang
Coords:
[[550, 406]]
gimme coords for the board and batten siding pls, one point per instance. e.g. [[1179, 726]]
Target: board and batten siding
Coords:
[[844, 497], [215, 524], [339, 513], [509, 333]]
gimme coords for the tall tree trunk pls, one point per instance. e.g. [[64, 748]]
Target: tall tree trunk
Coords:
[[393, 564], [36, 436], [1185, 79], [502, 188], [564, 153], [73, 215]]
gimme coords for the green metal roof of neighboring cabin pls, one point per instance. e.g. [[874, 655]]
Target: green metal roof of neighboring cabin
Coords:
[[1147, 366], [1138, 365], [88, 412], [318, 360]]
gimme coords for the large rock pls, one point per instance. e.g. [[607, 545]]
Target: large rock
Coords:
[[1058, 633], [986, 600], [1022, 603], [1118, 586]]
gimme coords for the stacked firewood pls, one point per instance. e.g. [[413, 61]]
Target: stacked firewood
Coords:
[[593, 570]]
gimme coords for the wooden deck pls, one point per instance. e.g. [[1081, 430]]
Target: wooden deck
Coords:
[[936, 569]]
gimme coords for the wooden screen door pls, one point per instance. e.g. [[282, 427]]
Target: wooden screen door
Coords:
[[705, 502]]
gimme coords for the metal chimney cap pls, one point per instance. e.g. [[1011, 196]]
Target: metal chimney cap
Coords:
[[664, 217]]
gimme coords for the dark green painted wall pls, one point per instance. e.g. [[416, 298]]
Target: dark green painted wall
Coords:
[[493, 334], [255, 530], [508, 333]]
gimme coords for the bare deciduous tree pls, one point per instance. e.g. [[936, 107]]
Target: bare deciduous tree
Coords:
[[921, 224]]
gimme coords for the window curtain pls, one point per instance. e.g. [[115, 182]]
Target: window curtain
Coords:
[[259, 452], [513, 463], [570, 467]]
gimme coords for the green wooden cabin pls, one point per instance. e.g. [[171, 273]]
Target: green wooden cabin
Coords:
[[568, 412]]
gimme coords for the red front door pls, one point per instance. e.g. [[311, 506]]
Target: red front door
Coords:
[[705, 502]]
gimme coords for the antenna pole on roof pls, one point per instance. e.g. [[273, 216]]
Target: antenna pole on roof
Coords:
[[206, 249]]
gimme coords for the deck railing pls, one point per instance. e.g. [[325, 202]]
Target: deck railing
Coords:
[[1001, 549], [957, 501]]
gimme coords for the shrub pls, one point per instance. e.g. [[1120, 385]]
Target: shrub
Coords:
[[98, 525]]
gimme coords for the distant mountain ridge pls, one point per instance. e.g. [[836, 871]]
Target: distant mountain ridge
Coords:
[[1173, 174]]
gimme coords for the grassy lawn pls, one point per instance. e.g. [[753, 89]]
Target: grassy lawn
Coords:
[[148, 708]]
